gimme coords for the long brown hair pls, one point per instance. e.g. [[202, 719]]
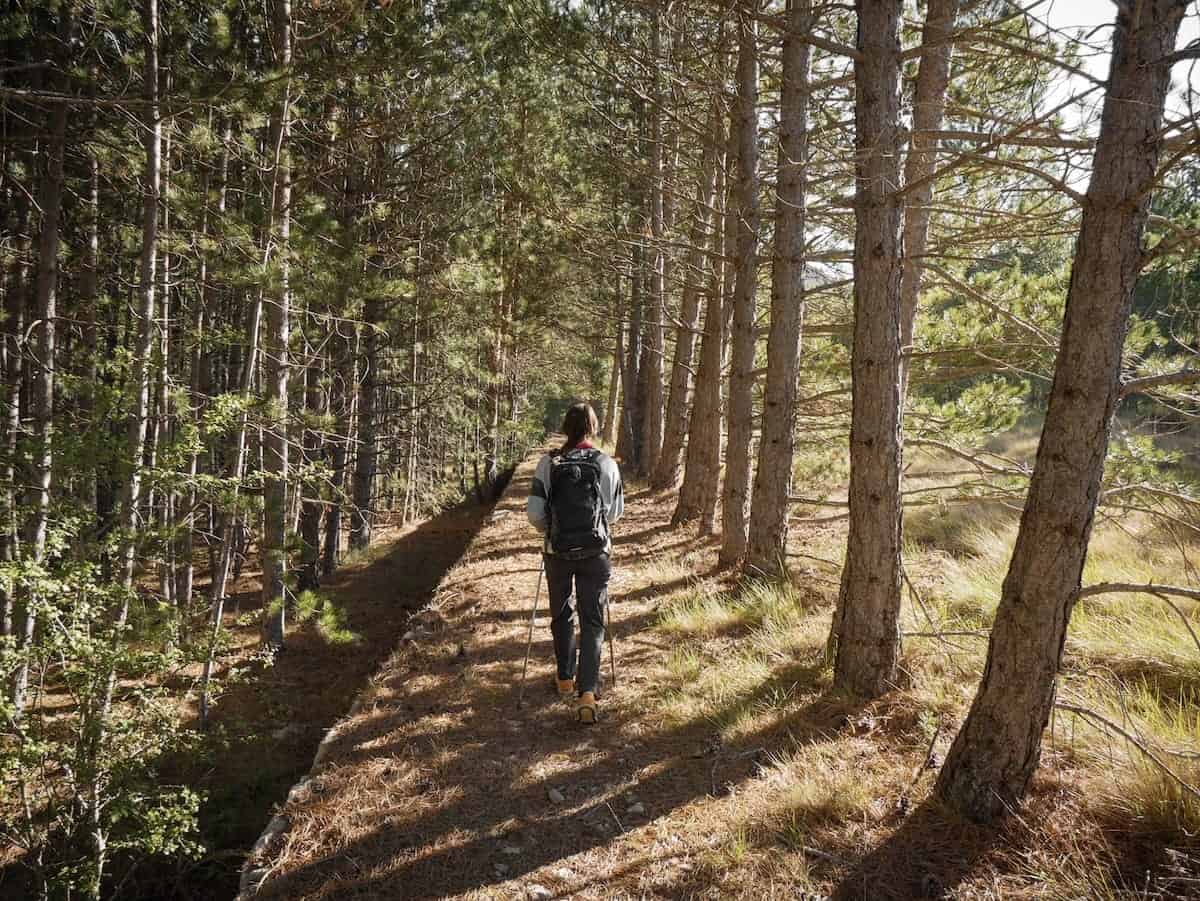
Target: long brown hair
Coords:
[[579, 422]]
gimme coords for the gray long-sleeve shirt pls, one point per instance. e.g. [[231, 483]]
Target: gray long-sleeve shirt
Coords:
[[611, 491]]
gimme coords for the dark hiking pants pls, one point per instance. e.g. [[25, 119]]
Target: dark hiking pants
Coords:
[[590, 578]]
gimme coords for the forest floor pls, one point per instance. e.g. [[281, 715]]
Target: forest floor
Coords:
[[269, 717], [724, 766]]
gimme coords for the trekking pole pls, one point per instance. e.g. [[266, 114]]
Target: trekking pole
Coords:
[[529, 643], [612, 655]]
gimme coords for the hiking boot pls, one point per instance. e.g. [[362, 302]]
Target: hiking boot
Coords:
[[585, 710], [566, 687]]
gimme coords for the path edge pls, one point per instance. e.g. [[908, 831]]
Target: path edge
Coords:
[[252, 877]]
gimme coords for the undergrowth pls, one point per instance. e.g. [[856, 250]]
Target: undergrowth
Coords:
[[749, 663]]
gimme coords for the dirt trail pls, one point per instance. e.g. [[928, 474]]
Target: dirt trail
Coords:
[[439, 787]]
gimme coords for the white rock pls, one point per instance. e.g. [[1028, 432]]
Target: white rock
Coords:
[[563, 873], [539, 892]]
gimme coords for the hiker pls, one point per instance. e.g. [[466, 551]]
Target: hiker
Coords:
[[575, 498]]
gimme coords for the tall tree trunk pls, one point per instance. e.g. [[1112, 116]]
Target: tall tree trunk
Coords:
[[866, 628], [89, 298], [15, 291], [611, 414], [694, 277], [497, 365], [91, 748], [46, 299], [929, 104], [998, 748], [409, 511], [163, 419], [139, 419], [340, 404], [773, 478], [343, 373], [229, 520], [629, 442], [651, 368], [275, 354], [366, 458], [201, 382], [712, 488], [702, 461], [312, 508], [735, 497]]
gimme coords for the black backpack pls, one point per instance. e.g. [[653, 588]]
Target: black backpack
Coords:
[[578, 518]]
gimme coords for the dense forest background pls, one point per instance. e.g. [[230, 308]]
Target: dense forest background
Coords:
[[279, 277]]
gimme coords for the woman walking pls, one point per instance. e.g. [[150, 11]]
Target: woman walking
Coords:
[[575, 498]]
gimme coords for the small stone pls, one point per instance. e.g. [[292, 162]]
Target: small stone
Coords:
[[539, 892], [638, 809], [564, 874], [556, 796], [510, 850], [501, 868], [410, 635]]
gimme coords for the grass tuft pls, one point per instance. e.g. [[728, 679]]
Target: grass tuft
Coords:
[[1156, 804], [821, 789]]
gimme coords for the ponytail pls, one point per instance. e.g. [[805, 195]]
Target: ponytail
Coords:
[[579, 423]]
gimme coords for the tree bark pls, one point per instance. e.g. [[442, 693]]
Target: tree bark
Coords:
[[496, 370], [766, 555], [275, 354], [50, 196], [312, 508], [866, 628], [344, 375], [163, 419], [15, 292], [611, 414], [675, 424], [998, 747], [411, 472], [201, 382], [89, 294], [340, 401], [629, 442], [735, 498], [139, 420], [929, 104], [702, 460], [367, 455], [50, 201], [651, 368]]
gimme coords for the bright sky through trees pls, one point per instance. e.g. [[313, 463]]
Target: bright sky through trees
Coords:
[[1094, 19]]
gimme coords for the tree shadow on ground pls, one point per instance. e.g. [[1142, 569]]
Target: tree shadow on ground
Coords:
[[928, 856], [482, 752], [267, 724]]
